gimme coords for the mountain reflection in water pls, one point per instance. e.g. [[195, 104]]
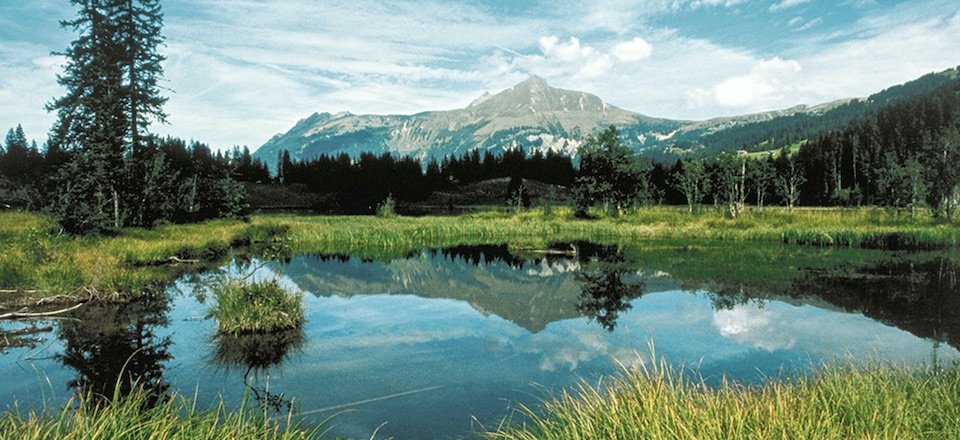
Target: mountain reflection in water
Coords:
[[439, 340]]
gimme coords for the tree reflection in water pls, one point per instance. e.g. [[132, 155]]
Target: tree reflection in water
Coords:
[[115, 347], [608, 283], [919, 295]]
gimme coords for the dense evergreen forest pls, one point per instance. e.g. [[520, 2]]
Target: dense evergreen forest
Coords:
[[785, 131], [163, 179], [359, 186]]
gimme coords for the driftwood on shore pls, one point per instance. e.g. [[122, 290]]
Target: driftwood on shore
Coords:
[[32, 299]]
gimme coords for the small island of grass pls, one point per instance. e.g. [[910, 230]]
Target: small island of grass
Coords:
[[261, 306]]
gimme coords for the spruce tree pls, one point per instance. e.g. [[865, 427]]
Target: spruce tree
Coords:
[[112, 94], [139, 23]]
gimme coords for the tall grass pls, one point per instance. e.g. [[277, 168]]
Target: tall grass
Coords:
[[836, 403], [132, 417], [255, 307]]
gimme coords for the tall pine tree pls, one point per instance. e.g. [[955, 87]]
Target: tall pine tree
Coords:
[[111, 78]]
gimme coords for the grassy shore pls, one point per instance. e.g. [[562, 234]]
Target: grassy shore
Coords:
[[836, 403], [655, 403], [834, 227], [37, 258], [131, 417]]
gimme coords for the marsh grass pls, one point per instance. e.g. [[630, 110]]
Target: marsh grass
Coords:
[[838, 402], [377, 238], [36, 257], [133, 417], [259, 306]]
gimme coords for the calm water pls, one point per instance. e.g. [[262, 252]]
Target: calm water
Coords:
[[440, 344]]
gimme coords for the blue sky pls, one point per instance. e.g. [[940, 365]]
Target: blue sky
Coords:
[[239, 71]]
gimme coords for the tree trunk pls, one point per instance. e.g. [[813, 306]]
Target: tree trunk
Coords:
[[132, 72], [116, 209]]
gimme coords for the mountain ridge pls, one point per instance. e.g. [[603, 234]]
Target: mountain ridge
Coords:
[[540, 117]]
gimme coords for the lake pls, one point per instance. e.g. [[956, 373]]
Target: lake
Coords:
[[442, 343]]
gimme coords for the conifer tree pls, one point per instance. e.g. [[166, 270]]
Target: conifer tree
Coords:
[[111, 78]]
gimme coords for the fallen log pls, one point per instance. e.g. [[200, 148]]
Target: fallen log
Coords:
[[178, 260], [21, 314]]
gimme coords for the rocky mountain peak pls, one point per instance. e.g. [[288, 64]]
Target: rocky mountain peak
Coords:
[[535, 96], [534, 83]]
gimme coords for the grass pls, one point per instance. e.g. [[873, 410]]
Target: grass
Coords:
[[244, 307], [836, 403], [131, 417], [37, 258], [825, 227]]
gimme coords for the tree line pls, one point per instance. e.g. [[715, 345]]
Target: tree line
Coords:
[[360, 185], [163, 180]]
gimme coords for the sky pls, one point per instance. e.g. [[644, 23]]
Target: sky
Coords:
[[239, 71]]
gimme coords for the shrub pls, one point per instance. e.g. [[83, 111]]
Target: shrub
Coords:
[[387, 208]]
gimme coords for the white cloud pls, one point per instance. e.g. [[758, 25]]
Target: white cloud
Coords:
[[705, 3], [752, 325], [27, 84], [784, 4], [810, 24], [557, 59], [769, 83], [633, 50], [243, 70]]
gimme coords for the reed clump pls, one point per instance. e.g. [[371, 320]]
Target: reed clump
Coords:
[[838, 402], [262, 306]]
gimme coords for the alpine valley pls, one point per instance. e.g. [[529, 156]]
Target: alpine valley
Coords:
[[539, 117]]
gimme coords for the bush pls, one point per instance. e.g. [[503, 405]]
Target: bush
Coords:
[[387, 208]]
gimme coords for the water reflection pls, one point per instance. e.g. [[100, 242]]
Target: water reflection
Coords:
[[608, 284], [920, 295], [115, 348], [257, 354], [23, 336], [533, 288]]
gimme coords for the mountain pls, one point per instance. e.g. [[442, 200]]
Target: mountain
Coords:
[[531, 114], [537, 116]]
